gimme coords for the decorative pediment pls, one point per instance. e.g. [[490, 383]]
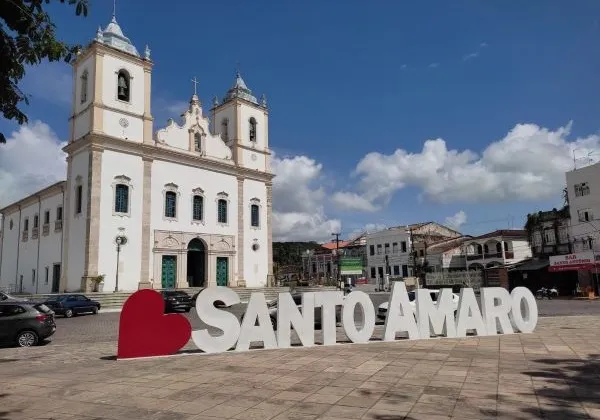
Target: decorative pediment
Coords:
[[171, 185], [123, 178], [198, 191], [255, 200], [222, 245], [170, 242], [223, 194]]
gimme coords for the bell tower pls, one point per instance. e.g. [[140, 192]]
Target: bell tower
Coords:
[[243, 123], [111, 88]]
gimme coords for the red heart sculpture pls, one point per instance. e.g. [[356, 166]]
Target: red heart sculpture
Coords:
[[144, 329]]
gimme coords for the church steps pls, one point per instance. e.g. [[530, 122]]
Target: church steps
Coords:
[[116, 300]]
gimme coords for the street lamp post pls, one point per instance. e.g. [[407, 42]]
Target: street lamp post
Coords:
[[120, 240]]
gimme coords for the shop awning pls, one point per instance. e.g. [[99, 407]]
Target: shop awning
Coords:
[[532, 265]]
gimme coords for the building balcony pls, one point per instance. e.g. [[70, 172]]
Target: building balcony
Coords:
[[24, 236], [35, 232], [58, 225], [46, 229]]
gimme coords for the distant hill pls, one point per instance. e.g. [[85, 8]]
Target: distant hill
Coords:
[[290, 253]]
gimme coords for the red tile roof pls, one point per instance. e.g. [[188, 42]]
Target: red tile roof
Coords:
[[332, 245]]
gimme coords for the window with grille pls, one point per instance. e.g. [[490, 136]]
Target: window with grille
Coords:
[[198, 208], [121, 198], [222, 211], [254, 215], [170, 204], [582, 189], [585, 215]]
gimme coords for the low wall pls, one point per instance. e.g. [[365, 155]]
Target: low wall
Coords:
[[470, 278]]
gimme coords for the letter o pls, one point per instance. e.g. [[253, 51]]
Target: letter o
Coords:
[[526, 320], [362, 299]]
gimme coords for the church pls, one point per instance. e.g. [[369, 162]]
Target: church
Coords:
[[188, 205]]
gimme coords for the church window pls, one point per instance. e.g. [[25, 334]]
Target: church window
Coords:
[[225, 129], [59, 213], [252, 129], [47, 217], [10, 224], [78, 199], [121, 198], [254, 215], [36, 221], [198, 208], [84, 86], [197, 142], [123, 85], [222, 210], [170, 204], [26, 225]]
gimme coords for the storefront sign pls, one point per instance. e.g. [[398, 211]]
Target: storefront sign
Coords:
[[579, 261], [145, 330]]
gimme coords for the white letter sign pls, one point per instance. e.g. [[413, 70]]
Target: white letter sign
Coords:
[[214, 317], [400, 316], [436, 319], [366, 304]]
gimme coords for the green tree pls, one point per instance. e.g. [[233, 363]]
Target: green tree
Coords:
[[27, 36]]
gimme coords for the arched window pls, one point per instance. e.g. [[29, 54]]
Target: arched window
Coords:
[[84, 86], [225, 129], [121, 198], [123, 86], [254, 215], [252, 129], [198, 208], [222, 211], [197, 142], [486, 249], [499, 247], [171, 204]]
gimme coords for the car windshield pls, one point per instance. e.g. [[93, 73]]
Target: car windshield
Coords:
[[54, 299]]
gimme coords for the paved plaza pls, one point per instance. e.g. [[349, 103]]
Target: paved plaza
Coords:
[[552, 373]]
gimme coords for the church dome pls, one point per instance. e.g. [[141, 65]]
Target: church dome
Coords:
[[113, 36], [240, 90]]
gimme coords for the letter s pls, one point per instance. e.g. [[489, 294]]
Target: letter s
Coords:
[[223, 320]]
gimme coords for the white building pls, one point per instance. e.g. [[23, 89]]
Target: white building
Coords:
[[583, 188], [193, 200], [390, 251], [497, 248]]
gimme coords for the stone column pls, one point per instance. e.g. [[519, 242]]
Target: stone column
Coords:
[[92, 222], [146, 240], [241, 282], [66, 218], [270, 229]]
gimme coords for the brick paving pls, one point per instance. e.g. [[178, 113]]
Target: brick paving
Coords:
[[552, 373]]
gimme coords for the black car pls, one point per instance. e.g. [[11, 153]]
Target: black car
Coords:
[[72, 304], [25, 323], [217, 304], [176, 300]]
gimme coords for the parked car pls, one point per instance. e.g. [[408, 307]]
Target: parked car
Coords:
[[383, 308], [5, 296], [272, 306], [72, 304], [217, 304], [176, 300], [25, 323]]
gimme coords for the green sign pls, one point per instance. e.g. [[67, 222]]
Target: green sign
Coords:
[[351, 266]]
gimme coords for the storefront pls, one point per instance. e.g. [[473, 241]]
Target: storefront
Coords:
[[587, 266]]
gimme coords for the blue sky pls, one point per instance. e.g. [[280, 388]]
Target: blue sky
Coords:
[[346, 81]]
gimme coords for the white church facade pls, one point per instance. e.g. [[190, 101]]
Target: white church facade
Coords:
[[193, 199]]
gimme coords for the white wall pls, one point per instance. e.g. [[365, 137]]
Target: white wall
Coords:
[[114, 165], [77, 222], [400, 258], [88, 64], [581, 230], [83, 124], [255, 159], [21, 257], [256, 265], [228, 111], [111, 66], [246, 113]]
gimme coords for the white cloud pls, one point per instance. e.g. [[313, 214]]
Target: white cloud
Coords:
[[470, 56], [353, 201], [30, 160], [368, 228], [529, 163], [433, 65], [177, 107], [298, 198], [457, 220], [52, 82]]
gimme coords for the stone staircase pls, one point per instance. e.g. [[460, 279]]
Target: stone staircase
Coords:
[[111, 300]]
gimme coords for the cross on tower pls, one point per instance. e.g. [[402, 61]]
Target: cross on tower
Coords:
[[195, 82]]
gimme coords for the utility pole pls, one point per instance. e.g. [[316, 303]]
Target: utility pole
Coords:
[[337, 253]]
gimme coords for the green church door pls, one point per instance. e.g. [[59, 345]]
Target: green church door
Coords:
[[222, 271], [169, 271]]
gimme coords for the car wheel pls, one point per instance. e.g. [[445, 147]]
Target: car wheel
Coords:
[[188, 309], [27, 339], [95, 310], [68, 313]]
